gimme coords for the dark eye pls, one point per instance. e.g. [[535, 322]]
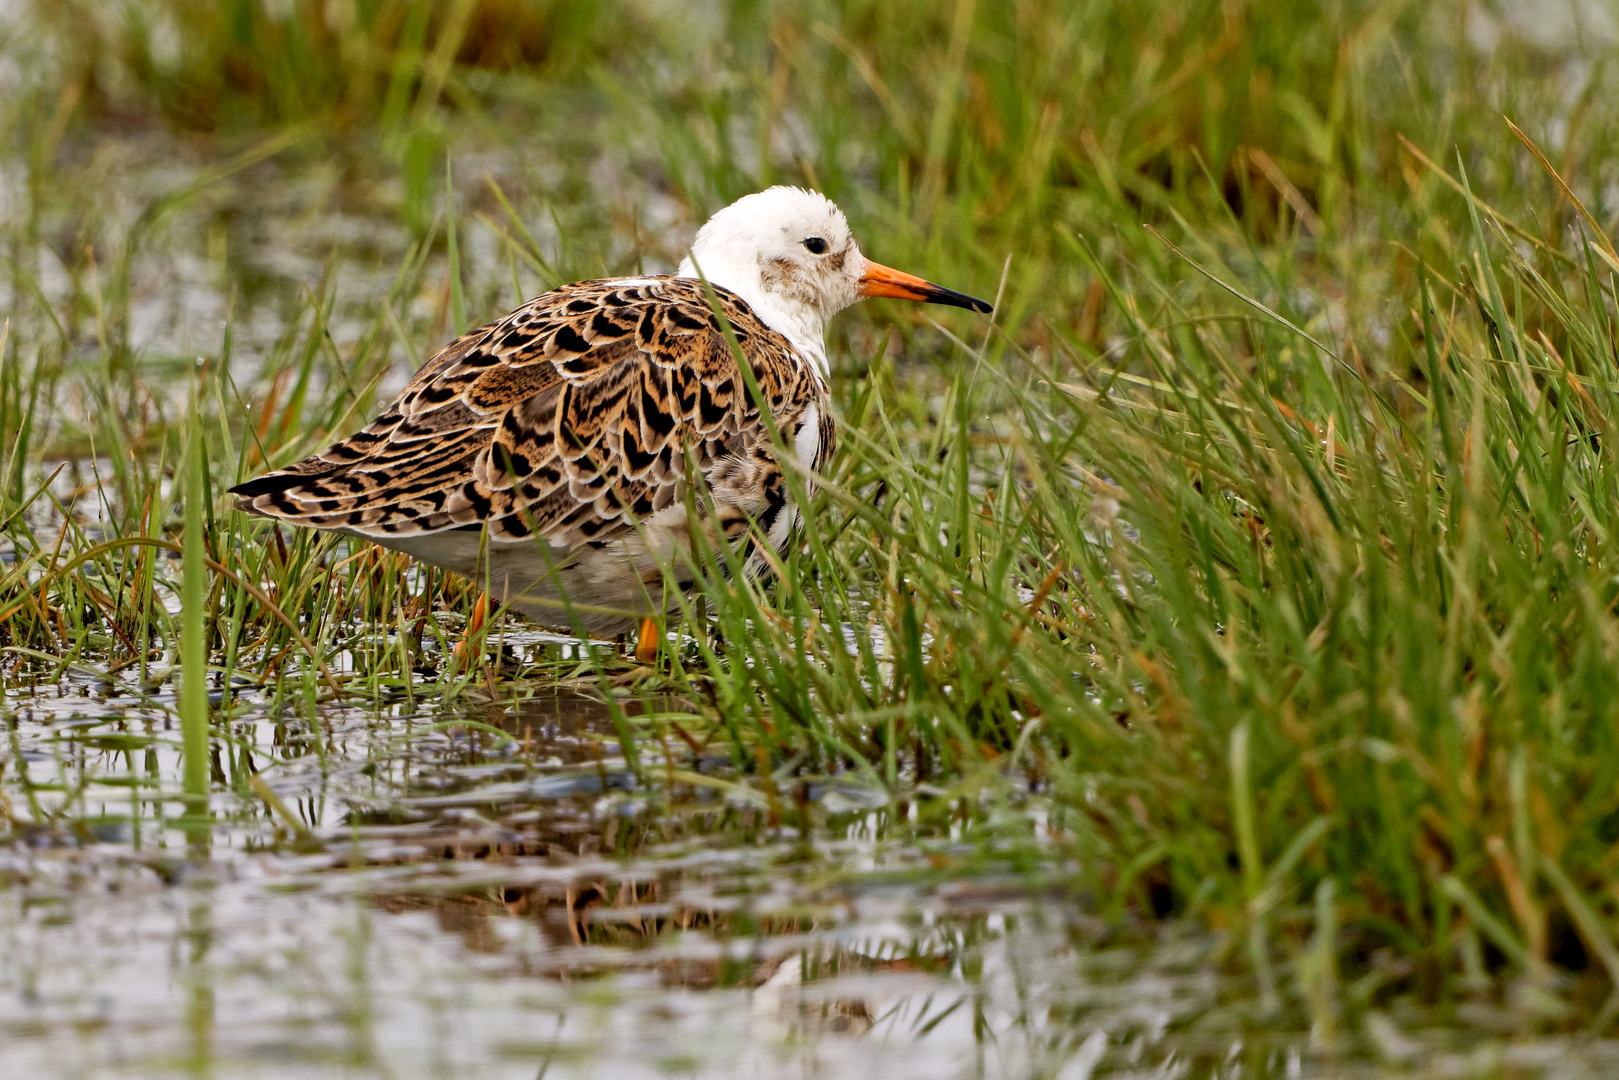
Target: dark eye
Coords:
[[816, 245]]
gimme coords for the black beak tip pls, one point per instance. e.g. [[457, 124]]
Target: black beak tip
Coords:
[[942, 295]]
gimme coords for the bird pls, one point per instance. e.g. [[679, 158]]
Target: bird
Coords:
[[574, 454]]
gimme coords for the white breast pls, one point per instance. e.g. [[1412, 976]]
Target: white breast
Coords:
[[807, 443], [806, 448]]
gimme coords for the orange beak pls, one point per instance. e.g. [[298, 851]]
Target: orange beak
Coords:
[[880, 280]]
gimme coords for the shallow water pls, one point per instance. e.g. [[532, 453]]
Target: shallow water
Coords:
[[441, 908], [430, 900], [267, 967]]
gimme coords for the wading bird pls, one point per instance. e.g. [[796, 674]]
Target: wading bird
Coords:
[[550, 454]]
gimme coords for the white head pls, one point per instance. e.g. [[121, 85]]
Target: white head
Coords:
[[789, 254]]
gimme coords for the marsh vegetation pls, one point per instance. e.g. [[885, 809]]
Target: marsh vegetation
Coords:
[[1209, 666]]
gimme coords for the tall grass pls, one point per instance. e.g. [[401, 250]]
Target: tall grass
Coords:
[[193, 618], [1257, 564]]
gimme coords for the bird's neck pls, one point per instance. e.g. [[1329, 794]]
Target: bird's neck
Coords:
[[804, 329]]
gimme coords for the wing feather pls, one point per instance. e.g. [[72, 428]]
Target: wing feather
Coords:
[[570, 418]]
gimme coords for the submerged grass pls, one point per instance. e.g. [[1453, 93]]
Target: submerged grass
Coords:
[[1255, 567]]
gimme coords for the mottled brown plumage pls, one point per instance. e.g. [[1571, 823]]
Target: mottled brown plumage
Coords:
[[570, 451]]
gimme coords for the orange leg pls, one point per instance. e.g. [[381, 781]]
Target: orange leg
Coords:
[[646, 646], [480, 614]]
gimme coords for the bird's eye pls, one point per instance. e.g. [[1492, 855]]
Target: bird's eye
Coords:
[[816, 245]]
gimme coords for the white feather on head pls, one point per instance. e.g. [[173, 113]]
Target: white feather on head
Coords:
[[767, 248]]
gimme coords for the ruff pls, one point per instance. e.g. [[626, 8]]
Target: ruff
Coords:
[[547, 453]]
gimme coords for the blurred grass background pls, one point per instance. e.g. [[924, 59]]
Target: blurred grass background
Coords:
[[1257, 566]]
